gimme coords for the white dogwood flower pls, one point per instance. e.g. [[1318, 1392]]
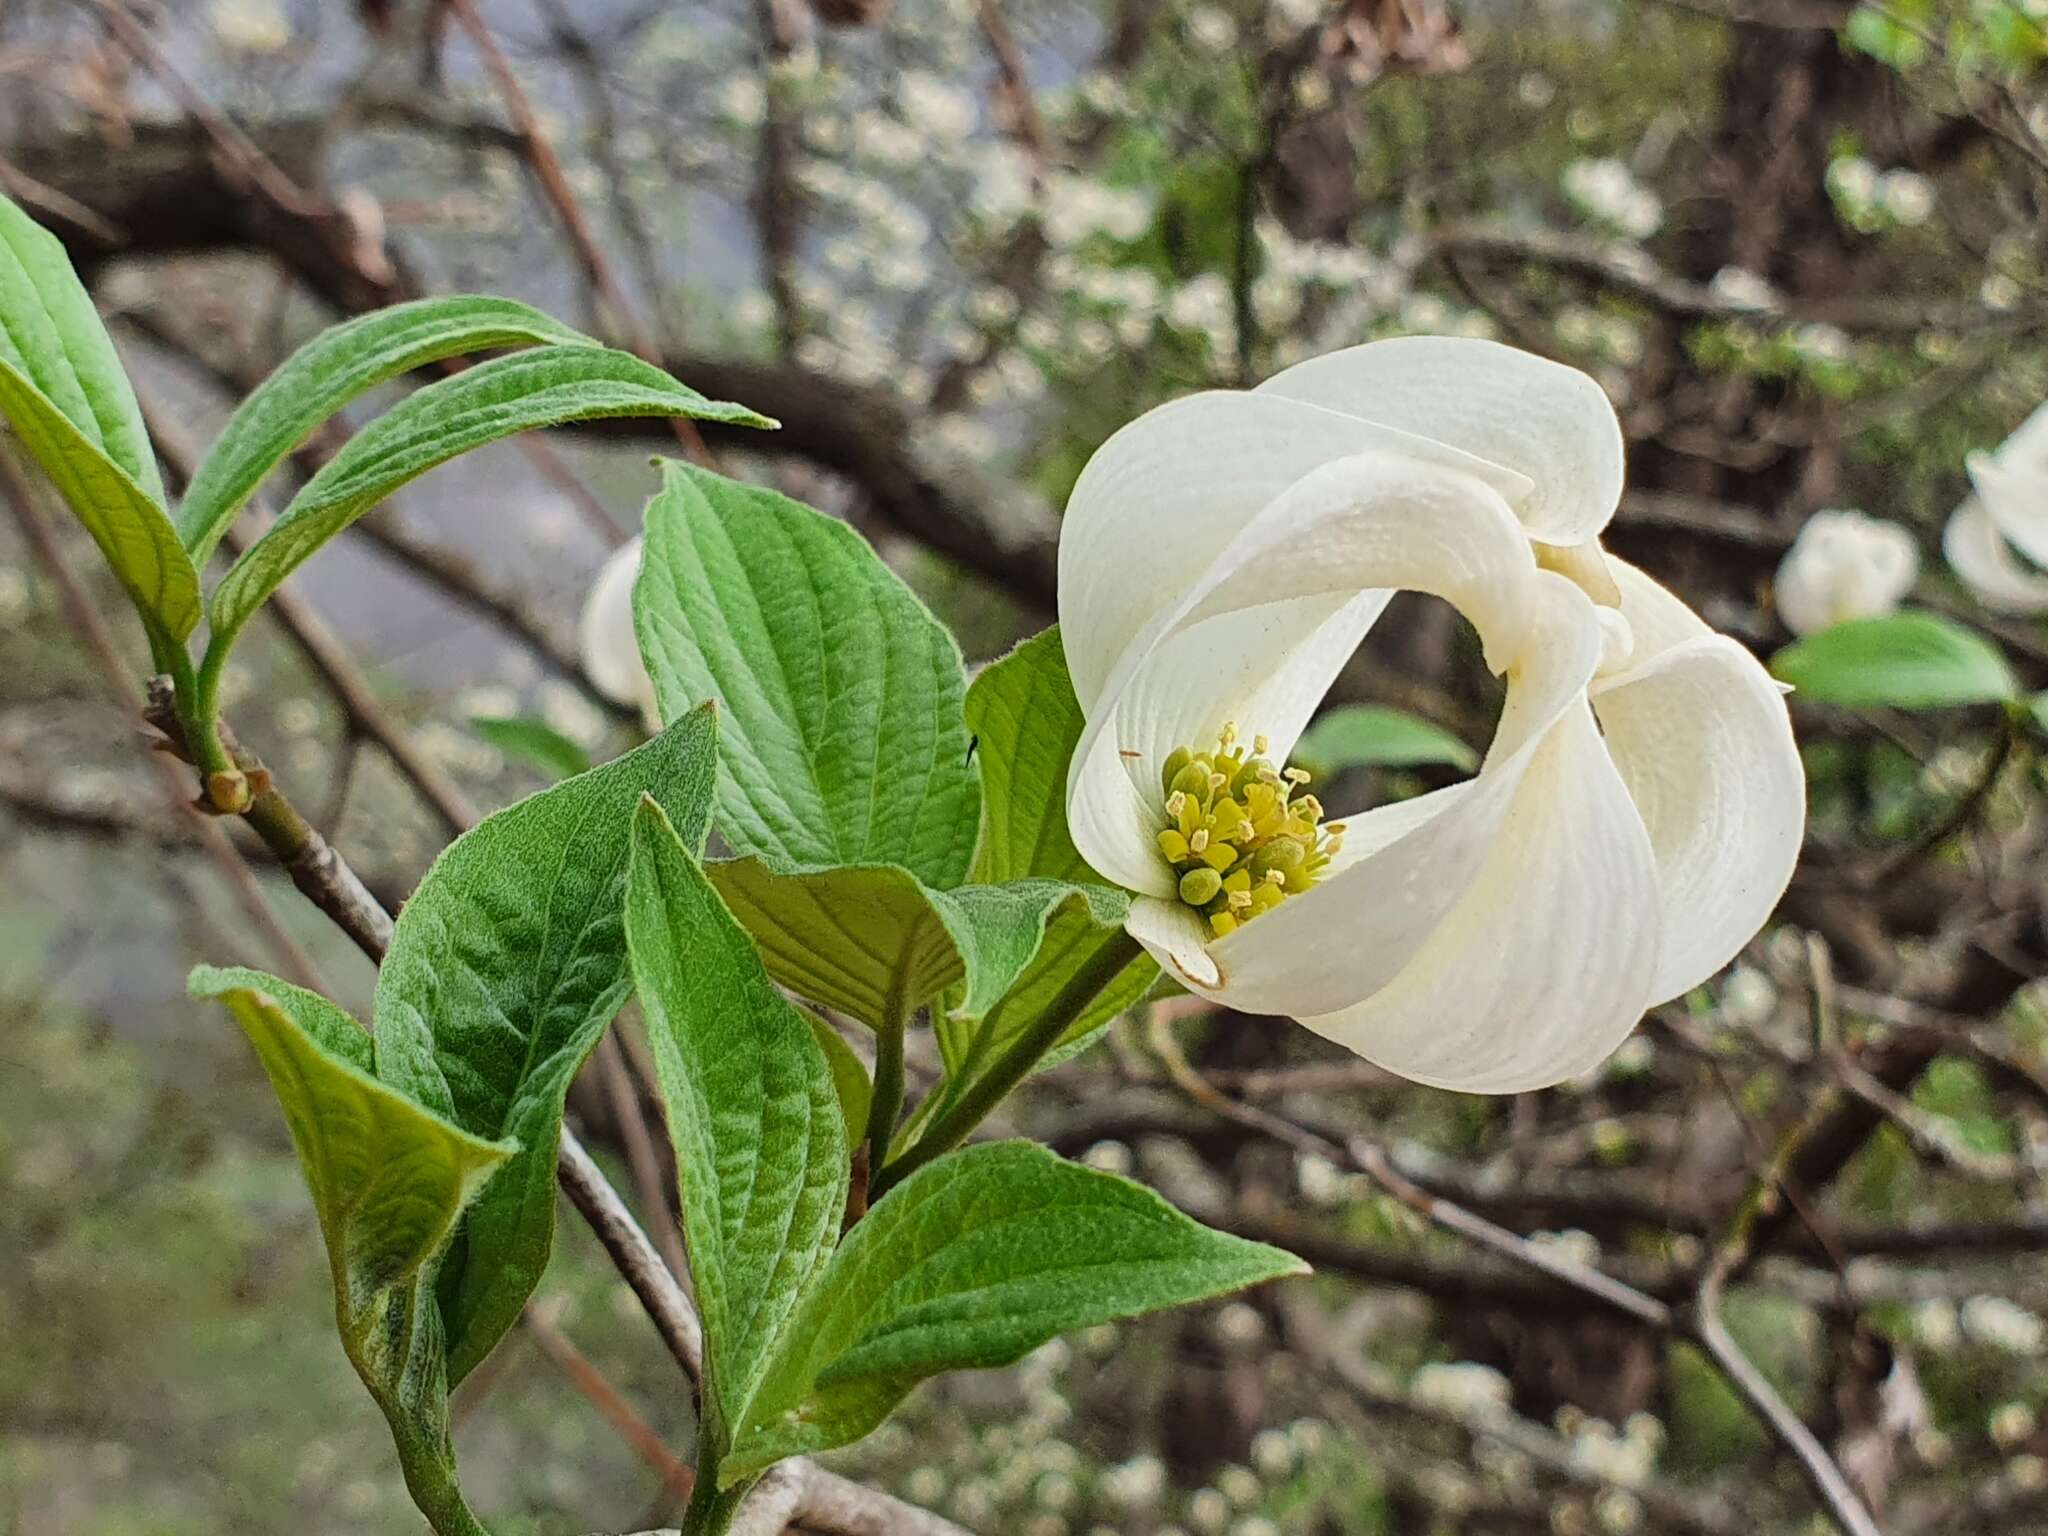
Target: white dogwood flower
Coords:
[[609, 648], [1844, 565], [1631, 827], [2005, 519]]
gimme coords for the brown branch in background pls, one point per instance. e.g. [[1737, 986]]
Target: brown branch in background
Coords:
[[116, 672], [1701, 1322], [677, 1478], [547, 170], [637, 1136]]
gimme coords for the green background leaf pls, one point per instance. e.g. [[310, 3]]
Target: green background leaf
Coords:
[[544, 387], [1375, 736], [533, 742], [389, 1180], [1907, 660], [63, 388], [753, 1110], [975, 1261], [505, 968], [335, 367], [842, 740]]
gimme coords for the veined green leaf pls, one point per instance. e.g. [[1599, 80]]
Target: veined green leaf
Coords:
[[542, 387], [389, 1180], [505, 968], [1027, 722], [850, 1078], [759, 1134], [533, 742], [1374, 736], [63, 388], [1907, 660], [842, 740], [975, 1261], [874, 942], [332, 369]]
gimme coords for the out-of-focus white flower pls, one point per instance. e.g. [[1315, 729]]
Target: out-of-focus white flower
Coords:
[[1202, 303], [1209, 1511], [744, 100], [1908, 196], [881, 138], [1240, 1485], [1211, 28], [943, 110], [610, 650], [1844, 565], [1608, 191], [2009, 1424], [1742, 289], [1853, 181], [1819, 342], [2005, 519], [1079, 206], [1272, 1453], [1935, 1324], [1139, 1483], [1464, 1388], [2004, 1325], [1220, 560], [250, 26]]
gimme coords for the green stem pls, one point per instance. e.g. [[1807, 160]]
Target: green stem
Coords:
[[710, 1510], [1015, 1064], [885, 1107], [430, 1479]]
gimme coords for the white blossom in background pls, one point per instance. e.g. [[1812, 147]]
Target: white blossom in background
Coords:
[[1077, 207], [944, 111], [1742, 289], [609, 648], [1203, 304], [2004, 1324], [1908, 197], [1997, 540], [1463, 1388], [250, 26], [1855, 185], [1607, 190], [1844, 565], [1220, 560]]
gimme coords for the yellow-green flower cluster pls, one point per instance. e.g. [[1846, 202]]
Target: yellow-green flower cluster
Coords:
[[1243, 835]]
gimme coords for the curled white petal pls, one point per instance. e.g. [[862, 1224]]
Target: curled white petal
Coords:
[[609, 648], [1406, 866], [1701, 737], [1160, 500], [1979, 555], [1544, 964], [2014, 490], [1285, 600], [1551, 423]]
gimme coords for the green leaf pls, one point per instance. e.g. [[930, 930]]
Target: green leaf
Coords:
[[1027, 723], [543, 387], [1374, 736], [335, 367], [2037, 706], [849, 1078], [975, 1261], [842, 740], [62, 387], [389, 1181], [761, 1148], [872, 941], [533, 742], [1908, 660], [505, 968]]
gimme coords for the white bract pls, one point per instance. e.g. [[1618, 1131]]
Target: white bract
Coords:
[[2005, 519], [610, 650], [1631, 827], [1844, 565]]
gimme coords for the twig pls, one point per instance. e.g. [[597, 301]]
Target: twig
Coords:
[[605, 1398], [116, 672], [641, 1157], [1700, 1322]]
